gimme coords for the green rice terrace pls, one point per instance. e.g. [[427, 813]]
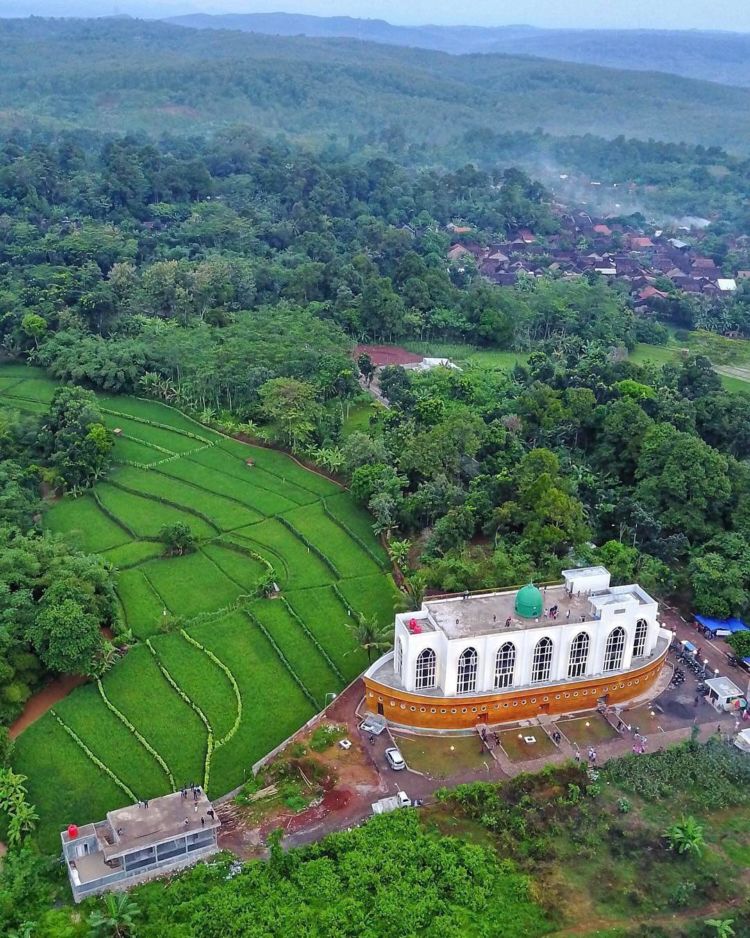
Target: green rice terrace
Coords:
[[234, 675]]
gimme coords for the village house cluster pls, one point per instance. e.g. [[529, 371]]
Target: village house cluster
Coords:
[[586, 243]]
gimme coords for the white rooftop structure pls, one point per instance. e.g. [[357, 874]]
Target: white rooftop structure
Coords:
[[580, 628]]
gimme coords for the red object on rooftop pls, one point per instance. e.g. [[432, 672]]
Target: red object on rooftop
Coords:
[[414, 627], [72, 831]]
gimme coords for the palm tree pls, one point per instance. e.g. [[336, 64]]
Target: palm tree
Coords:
[[723, 926], [371, 635], [412, 592], [117, 917], [685, 836]]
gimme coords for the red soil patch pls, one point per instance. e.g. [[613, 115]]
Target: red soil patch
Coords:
[[336, 799], [44, 700], [388, 355]]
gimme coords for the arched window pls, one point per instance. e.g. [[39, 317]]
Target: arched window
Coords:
[[541, 664], [614, 649], [579, 654], [399, 656], [467, 671], [505, 662], [639, 642], [425, 669]]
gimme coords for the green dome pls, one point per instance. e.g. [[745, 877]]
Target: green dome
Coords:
[[529, 602]]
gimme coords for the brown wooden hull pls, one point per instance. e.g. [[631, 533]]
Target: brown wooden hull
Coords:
[[453, 713]]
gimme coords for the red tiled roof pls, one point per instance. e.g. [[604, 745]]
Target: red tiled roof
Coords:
[[648, 293]]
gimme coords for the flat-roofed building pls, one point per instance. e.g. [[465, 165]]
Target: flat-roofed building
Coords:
[[504, 656], [139, 842]]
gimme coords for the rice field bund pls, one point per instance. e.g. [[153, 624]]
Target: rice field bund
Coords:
[[216, 677]]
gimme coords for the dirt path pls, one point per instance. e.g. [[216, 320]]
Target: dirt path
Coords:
[[593, 926], [44, 700]]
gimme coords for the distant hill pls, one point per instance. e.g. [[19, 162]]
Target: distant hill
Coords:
[[120, 74], [711, 56]]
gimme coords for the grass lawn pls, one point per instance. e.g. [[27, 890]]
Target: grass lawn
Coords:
[[281, 466], [298, 649], [34, 389], [108, 738], [345, 554], [84, 524], [143, 607], [158, 413], [360, 416], [328, 620], [302, 566], [133, 552], [588, 730], [518, 750], [139, 689], [225, 513], [146, 516], [63, 783], [243, 569], [273, 705], [224, 502], [190, 585], [467, 355], [371, 595], [220, 459], [174, 442], [200, 678], [237, 488], [655, 354], [730, 357], [356, 519], [443, 756], [126, 450]]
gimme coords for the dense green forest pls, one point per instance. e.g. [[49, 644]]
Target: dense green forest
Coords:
[[487, 860], [712, 56], [149, 248], [123, 75], [232, 276]]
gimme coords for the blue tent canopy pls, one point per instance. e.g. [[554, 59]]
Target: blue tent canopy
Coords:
[[727, 625]]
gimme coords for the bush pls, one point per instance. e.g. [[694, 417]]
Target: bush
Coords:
[[325, 736], [178, 537]]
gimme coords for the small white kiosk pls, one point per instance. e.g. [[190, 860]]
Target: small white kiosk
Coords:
[[723, 694]]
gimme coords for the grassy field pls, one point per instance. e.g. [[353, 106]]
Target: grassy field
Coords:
[[275, 660], [730, 357], [444, 756], [468, 355]]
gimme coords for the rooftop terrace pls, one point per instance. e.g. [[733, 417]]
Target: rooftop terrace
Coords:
[[134, 827], [485, 614]]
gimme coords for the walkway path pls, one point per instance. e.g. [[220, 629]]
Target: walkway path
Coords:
[[37, 705]]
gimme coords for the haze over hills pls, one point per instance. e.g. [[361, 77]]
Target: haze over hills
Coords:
[[713, 56], [123, 74]]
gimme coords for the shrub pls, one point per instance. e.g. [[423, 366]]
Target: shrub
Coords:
[[325, 736], [178, 538]]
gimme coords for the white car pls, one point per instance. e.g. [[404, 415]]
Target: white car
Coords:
[[395, 759]]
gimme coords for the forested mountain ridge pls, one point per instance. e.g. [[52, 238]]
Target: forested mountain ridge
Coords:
[[722, 57], [117, 75]]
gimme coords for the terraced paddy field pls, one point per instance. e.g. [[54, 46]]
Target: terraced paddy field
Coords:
[[230, 676]]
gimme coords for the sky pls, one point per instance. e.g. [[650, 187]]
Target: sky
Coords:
[[733, 15]]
